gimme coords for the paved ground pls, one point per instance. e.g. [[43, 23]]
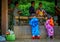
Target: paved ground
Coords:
[[36, 40]]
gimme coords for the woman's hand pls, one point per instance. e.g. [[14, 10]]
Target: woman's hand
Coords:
[[19, 12]]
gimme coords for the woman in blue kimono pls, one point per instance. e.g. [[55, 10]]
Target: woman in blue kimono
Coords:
[[34, 23]]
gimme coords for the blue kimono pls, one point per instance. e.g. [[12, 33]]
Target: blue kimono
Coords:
[[35, 26]]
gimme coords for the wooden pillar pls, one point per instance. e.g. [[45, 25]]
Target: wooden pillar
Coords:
[[4, 22]]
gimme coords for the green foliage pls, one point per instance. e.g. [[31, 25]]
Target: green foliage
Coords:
[[47, 6], [25, 9], [11, 6]]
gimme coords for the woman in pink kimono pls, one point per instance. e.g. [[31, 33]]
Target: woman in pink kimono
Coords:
[[49, 26]]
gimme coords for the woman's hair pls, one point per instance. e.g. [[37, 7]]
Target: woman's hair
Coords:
[[49, 17], [40, 3], [32, 2], [16, 3]]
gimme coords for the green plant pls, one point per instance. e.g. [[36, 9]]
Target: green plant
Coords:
[[47, 6]]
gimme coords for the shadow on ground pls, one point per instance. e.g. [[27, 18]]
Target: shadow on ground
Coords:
[[36, 40]]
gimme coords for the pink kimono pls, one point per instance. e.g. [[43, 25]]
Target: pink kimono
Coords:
[[49, 28]]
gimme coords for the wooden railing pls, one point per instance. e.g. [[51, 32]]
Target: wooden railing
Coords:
[[22, 17], [24, 20]]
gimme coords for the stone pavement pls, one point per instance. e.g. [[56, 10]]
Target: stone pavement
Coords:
[[36, 40]]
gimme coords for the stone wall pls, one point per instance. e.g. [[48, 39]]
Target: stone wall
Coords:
[[25, 32]]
